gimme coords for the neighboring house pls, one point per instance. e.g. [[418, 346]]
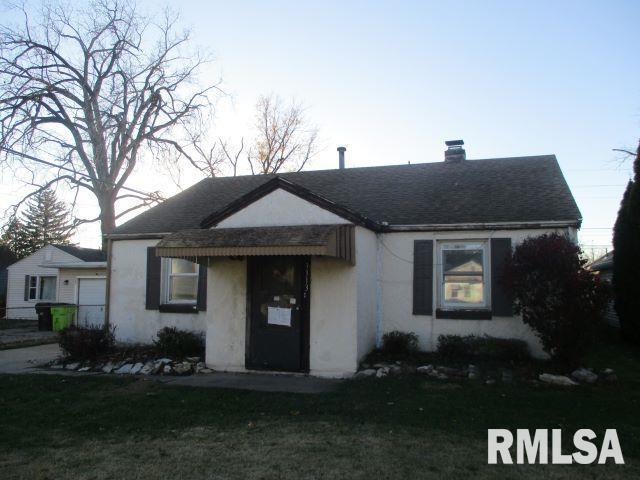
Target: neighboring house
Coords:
[[59, 273], [6, 258], [603, 266], [306, 271]]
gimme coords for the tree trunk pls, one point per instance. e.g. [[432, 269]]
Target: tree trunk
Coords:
[[107, 216]]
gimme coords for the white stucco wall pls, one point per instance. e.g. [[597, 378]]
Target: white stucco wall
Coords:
[[397, 291], [17, 307], [128, 297], [280, 208], [68, 292], [226, 314], [333, 323], [366, 256]]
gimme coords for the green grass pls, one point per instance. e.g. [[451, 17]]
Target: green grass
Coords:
[[97, 427]]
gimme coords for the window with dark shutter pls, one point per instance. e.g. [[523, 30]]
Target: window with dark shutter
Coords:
[[501, 299], [423, 277]]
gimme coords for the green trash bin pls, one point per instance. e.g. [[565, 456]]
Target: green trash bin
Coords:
[[62, 316]]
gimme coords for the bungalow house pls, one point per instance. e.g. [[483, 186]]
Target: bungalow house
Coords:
[[306, 271], [58, 273]]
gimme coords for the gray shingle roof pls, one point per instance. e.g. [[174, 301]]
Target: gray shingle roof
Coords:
[[520, 189], [84, 254]]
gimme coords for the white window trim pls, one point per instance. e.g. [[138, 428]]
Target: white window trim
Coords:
[[37, 288], [166, 282], [466, 244]]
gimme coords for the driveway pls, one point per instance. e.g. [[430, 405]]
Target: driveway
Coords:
[[23, 360]]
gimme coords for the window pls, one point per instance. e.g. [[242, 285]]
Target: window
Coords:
[[463, 275], [180, 281], [33, 288], [42, 287], [47, 288]]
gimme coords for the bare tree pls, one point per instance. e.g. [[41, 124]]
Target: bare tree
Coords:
[[86, 90], [284, 139]]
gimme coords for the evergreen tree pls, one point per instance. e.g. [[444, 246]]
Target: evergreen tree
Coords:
[[626, 258], [14, 237], [47, 220]]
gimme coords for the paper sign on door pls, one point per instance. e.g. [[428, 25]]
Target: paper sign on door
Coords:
[[279, 316]]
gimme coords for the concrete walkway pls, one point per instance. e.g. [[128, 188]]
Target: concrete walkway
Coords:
[[25, 360], [255, 381]]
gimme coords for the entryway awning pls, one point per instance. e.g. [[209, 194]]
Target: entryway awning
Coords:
[[325, 240]]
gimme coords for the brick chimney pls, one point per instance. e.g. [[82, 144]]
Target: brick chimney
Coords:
[[454, 152]]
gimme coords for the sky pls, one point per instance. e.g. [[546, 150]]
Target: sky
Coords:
[[392, 81]]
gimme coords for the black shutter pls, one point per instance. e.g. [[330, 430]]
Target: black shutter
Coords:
[[202, 288], [501, 300], [423, 277], [153, 279], [27, 284]]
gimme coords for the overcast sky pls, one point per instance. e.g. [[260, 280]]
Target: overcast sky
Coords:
[[393, 80]]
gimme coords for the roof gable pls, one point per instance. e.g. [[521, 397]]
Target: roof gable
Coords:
[[279, 183]]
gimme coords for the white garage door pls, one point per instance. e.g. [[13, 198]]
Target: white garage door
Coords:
[[91, 296]]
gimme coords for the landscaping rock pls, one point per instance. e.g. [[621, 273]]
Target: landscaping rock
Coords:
[[84, 369], [136, 368], [473, 373], [608, 375], [425, 369], [164, 361], [182, 368], [490, 381], [369, 372], [72, 366], [206, 370], [166, 369], [557, 380], [147, 369], [199, 366], [395, 370], [108, 368], [382, 372], [193, 359], [584, 375], [124, 369], [57, 366]]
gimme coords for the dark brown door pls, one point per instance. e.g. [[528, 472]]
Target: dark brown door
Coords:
[[278, 322]]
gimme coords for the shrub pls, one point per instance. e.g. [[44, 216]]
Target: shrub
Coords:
[[86, 343], [175, 343], [399, 343], [626, 258], [471, 346], [558, 298]]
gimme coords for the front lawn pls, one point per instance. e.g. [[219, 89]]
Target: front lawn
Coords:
[[395, 427]]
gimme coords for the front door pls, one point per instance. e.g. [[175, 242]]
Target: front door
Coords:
[[278, 320]]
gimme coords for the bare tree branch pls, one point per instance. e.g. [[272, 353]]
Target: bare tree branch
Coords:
[[89, 88]]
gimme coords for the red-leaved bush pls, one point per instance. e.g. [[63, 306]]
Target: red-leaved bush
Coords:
[[558, 298]]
